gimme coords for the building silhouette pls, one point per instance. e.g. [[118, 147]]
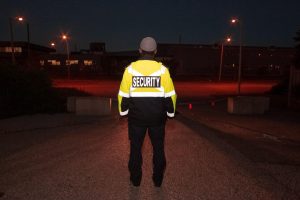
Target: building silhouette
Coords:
[[192, 60]]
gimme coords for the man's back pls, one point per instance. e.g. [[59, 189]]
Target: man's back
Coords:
[[147, 80]]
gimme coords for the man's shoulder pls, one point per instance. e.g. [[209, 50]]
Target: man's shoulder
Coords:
[[163, 66], [164, 69], [130, 65]]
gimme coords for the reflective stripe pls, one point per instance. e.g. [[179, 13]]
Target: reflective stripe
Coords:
[[161, 89], [124, 113], [123, 94], [132, 89], [161, 71], [147, 94], [157, 73], [169, 94], [134, 72], [171, 114]]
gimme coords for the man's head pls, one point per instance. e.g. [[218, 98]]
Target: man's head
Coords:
[[148, 46]]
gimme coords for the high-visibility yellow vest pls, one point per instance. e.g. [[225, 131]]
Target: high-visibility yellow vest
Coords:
[[146, 78]]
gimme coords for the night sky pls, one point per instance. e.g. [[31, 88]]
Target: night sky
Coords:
[[122, 23]]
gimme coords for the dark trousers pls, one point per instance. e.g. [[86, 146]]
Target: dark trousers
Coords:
[[136, 137]]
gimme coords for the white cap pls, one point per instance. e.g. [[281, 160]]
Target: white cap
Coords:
[[148, 44]]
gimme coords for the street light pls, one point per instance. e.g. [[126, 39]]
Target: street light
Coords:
[[13, 60], [239, 22], [52, 44], [227, 40], [66, 38], [234, 20], [19, 19]]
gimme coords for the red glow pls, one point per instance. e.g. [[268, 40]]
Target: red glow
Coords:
[[186, 89], [190, 106]]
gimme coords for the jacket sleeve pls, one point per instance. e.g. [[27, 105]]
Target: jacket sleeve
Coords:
[[170, 95], [123, 95]]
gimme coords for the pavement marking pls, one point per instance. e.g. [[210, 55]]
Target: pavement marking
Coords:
[[271, 137]]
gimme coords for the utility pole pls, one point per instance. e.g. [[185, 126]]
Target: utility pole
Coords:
[[28, 41], [13, 59], [221, 61]]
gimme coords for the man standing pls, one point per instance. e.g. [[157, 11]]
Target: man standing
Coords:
[[147, 96]]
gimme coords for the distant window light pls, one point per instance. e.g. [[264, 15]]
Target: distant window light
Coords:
[[88, 62], [233, 65], [259, 54], [54, 62], [71, 62], [9, 49], [42, 62]]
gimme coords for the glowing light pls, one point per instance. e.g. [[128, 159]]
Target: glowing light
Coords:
[[52, 44], [190, 106], [228, 39], [234, 20], [64, 37], [20, 19]]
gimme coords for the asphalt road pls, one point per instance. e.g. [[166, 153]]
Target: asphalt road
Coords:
[[89, 161]]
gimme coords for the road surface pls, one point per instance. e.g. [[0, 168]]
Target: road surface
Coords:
[[89, 161]]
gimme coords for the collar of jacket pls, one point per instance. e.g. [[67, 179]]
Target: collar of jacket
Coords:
[[146, 57]]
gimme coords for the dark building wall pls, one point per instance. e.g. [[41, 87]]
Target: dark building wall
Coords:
[[80, 65], [97, 47], [26, 54], [204, 60], [193, 59]]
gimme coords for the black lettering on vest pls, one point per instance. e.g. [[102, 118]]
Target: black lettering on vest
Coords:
[[146, 81]]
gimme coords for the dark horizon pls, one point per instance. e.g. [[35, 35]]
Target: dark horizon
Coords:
[[121, 24]]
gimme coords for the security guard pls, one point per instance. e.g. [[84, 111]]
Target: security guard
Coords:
[[147, 96]]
